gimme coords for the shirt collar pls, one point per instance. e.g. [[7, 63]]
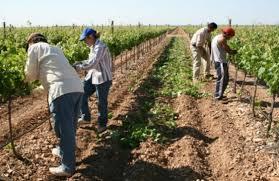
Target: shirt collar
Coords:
[[96, 43]]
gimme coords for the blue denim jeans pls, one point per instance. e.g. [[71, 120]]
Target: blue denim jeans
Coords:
[[65, 111], [102, 91], [222, 78]]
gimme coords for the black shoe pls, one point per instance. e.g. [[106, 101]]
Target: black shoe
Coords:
[[224, 97], [82, 121], [220, 97], [101, 129]]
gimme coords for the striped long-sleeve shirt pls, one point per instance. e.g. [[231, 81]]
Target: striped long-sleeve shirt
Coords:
[[99, 64]]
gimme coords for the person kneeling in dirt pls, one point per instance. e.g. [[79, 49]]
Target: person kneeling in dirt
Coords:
[[98, 78], [199, 53], [49, 65], [219, 50]]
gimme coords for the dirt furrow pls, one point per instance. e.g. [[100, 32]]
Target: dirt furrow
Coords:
[[184, 156], [92, 149]]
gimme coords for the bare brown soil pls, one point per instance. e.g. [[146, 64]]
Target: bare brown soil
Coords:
[[213, 140]]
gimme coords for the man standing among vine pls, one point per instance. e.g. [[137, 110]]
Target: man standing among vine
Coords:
[[219, 50], [198, 48]]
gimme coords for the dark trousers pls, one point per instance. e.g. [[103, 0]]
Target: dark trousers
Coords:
[[102, 91], [65, 111], [222, 78]]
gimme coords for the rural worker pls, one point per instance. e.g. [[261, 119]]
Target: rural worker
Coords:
[[219, 50], [49, 65], [198, 48], [98, 78]]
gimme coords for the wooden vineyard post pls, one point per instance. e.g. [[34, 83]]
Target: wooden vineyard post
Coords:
[[121, 59], [144, 49], [138, 52], [112, 27], [235, 80], [271, 113], [134, 53], [155, 41], [242, 85], [230, 22], [254, 96], [11, 130], [126, 55], [112, 60], [10, 28], [4, 29]]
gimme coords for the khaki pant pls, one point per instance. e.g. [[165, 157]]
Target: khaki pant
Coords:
[[199, 59]]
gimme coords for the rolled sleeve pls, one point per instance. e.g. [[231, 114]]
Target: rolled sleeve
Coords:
[[94, 60], [31, 68]]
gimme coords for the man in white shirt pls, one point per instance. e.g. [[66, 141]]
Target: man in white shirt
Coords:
[[219, 51], [198, 48], [49, 65]]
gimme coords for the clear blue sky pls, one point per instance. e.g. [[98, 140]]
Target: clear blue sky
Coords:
[[62, 12]]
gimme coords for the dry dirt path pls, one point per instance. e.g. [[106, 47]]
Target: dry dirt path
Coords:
[[36, 146], [212, 140], [215, 141]]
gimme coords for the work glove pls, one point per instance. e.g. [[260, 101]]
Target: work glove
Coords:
[[77, 66]]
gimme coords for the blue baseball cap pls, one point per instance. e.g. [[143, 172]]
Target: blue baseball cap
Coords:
[[86, 32]]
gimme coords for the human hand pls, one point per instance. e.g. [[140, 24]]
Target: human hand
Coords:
[[77, 66]]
